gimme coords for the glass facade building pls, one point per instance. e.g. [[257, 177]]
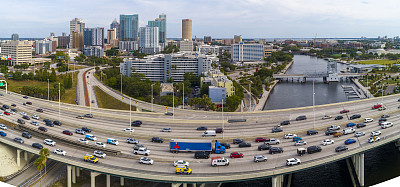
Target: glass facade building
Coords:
[[161, 23], [129, 27], [247, 52]]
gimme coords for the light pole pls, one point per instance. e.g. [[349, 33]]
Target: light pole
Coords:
[[250, 97], [48, 89], [130, 116], [152, 98], [223, 123], [121, 87], [59, 100], [183, 95], [101, 75], [313, 102], [173, 102], [367, 87]]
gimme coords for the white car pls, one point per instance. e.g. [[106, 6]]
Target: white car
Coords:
[[49, 142], [367, 120], [327, 117], [34, 123], [23, 113], [12, 112], [181, 163], [128, 130], [35, 117], [375, 133], [132, 140], [145, 160], [60, 152], [328, 142], [166, 130], [83, 140], [373, 139], [79, 131], [359, 133], [2, 126], [301, 142], [334, 127], [290, 136], [99, 154], [385, 125], [292, 161], [100, 144], [1, 113]]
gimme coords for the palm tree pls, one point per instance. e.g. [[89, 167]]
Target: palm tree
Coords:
[[40, 162]]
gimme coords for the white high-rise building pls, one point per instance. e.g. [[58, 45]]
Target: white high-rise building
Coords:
[[247, 52], [148, 40], [20, 51]]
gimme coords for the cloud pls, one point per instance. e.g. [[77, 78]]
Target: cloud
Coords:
[[218, 18]]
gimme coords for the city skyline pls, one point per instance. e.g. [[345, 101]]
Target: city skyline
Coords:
[[220, 19]]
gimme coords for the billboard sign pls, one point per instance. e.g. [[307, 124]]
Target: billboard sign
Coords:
[[60, 57], [4, 57]]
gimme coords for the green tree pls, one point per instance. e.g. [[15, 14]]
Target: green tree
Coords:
[[53, 75], [41, 161]]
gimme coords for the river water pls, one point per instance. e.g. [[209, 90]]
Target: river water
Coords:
[[381, 164]]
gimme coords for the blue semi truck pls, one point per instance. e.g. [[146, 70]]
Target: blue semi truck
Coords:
[[189, 145]]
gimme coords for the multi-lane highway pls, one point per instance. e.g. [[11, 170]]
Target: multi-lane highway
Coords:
[[109, 124]]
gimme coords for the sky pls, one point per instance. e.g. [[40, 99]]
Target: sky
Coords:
[[216, 18]]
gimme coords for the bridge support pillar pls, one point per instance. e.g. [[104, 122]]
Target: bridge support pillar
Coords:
[[184, 185], [18, 157], [176, 184], [93, 176], [277, 181], [25, 156], [139, 109], [121, 180], [73, 174], [358, 162], [78, 170], [108, 181], [69, 168], [397, 144]]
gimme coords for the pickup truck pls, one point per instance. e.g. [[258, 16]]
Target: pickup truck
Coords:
[[272, 141], [141, 151]]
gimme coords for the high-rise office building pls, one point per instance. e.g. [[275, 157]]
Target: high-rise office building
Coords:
[[207, 39], [237, 38], [111, 35], [77, 42], [93, 36], [45, 46], [76, 24], [20, 51], [161, 23], [187, 29], [148, 40], [14, 37], [247, 52], [115, 25], [63, 41], [129, 27]]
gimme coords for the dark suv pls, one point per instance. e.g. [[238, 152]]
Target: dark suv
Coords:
[[57, 123], [86, 129], [237, 141], [136, 123], [355, 116], [301, 118], [264, 147], [21, 121], [219, 130], [286, 122], [157, 139], [201, 154], [313, 149], [26, 135], [226, 145], [360, 125], [330, 132], [312, 132], [273, 150]]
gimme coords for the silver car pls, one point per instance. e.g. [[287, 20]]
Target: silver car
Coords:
[[260, 158]]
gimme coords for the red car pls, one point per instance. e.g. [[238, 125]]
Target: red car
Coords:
[[260, 139], [7, 113], [29, 103], [344, 111], [42, 129], [67, 132], [236, 155], [219, 130], [377, 106]]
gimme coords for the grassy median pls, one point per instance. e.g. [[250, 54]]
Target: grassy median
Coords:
[[380, 62], [106, 101]]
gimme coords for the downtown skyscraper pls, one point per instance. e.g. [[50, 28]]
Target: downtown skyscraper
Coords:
[[115, 25], [129, 27], [76, 25], [161, 23]]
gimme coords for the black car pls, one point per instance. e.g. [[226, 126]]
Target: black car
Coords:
[[237, 141], [286, 122], [29, 103], [226, 145], [274, 150], [57, 123], [264, 147], [50, 124], [313, 149], [2, 108], [361, 125], [19, 140], [244, 144], [86, 129], [136, 123], [341, 148], [169, 113], [26, 135], [25, 97], [21, 121], [6, 106], [276, 129], [39, 110], [201, 154], [355, 116], [219, 130], [37, 145], [157, 139], [385, 116], [312, 132], [43, 129], [14, 110], [26, 117], [201, 128], [330, 132], [47, 120], [299, 118], [13, 105], [382, 119], [338, 117], [88, 116]]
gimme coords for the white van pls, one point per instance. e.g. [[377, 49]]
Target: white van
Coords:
[[219, 161], [348, 131], [209, 133]]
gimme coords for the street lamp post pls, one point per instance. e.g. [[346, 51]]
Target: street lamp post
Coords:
[[59, 100], [367, 87], [223, 123], [183, 95], [48, 89], [121, 86], [152, 98], [130, 116], [313, 103], [173, 101]]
